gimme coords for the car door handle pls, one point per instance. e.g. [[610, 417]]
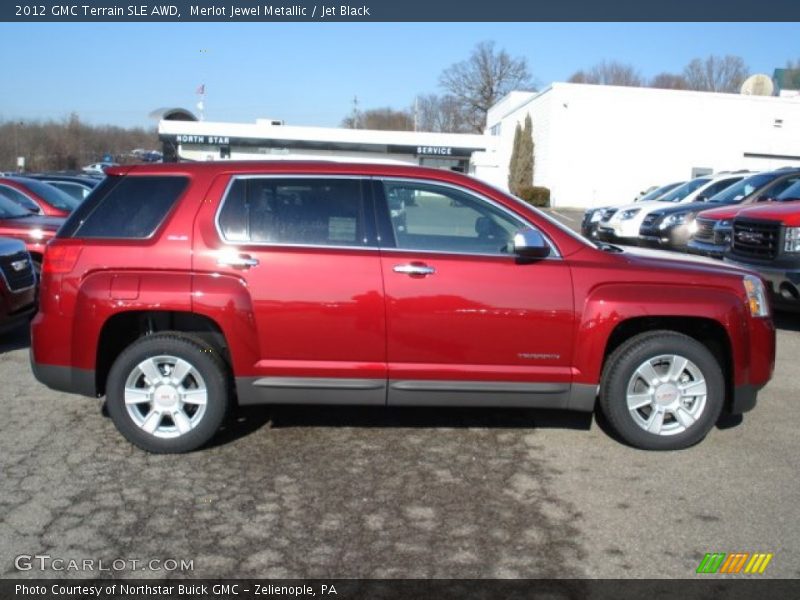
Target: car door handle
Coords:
[[238, 262], [414, 269]]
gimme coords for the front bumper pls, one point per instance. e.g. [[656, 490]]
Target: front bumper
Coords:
[[783, 283], [706, 249], [607, 234], [17, 319]]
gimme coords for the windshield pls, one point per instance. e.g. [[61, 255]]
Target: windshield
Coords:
[[11, 210], [741, 190], [51, 195], [680, 192], [790, 193], [658, 192]]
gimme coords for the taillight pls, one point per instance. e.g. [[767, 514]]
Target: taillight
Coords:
[[60, 259]]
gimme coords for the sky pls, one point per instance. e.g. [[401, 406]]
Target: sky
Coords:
[[309, 73]]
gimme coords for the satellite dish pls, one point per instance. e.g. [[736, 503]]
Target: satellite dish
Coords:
[[758, 85]]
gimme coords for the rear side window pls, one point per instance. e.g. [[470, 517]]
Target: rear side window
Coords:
[[129, 207], [313, 211]]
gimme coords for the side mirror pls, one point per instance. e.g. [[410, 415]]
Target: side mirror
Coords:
[[701, 198], [529, 243], [765, 198]]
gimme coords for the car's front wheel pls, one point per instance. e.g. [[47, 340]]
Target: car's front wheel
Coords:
[[662, 390], [168, 393]]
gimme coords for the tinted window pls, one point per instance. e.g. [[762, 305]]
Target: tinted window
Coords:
[[775, 191], [443, 219], [742, 189], [716, 188], [75, 190], [20, 199], [125, 207], [790, 193], [658, 192], [10, 209], [680, 192], [326, 212], [51, 195]]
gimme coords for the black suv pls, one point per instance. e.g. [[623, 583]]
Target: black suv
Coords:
[[17, 284]]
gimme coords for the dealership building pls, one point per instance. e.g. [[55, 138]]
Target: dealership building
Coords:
[[593, 145]]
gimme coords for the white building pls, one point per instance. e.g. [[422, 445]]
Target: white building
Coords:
[[597, 145], [594, 145], [272, 140]]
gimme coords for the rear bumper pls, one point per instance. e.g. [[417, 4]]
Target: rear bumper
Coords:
[[65, 379]]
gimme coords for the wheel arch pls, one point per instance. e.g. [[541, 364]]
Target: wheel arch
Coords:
[[121, 329], [709, 332]]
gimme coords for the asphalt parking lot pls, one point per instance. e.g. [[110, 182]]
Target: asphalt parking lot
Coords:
[[355, 492]]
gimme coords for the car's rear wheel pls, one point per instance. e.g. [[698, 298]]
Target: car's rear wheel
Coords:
[[662, 391], [168, 393]]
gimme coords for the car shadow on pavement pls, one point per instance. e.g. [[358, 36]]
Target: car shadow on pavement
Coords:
[[247, 420], [15, 339], [788, 321]]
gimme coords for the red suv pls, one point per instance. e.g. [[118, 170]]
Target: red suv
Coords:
[[179, 289], [766, 239]]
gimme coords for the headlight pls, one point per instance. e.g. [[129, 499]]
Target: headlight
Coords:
[[671, 220], [597, 215], [756, 296], [625, 215], [791, 241]]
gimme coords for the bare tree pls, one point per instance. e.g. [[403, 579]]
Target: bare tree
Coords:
[[68, 144], [609, 73], [716, 74], [484, 78], [381, 118], [669, 81], [440, 113]]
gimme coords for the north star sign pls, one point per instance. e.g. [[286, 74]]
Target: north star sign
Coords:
[[202, 139]]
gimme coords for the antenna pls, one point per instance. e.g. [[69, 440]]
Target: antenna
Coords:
[[201, 104], [758, 85], [355, 112]]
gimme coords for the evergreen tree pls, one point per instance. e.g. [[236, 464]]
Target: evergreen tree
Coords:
[[526, 154], [513, 165], [520, 168]]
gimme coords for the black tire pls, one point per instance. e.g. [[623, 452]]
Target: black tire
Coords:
[[203, 358], [620, 369]]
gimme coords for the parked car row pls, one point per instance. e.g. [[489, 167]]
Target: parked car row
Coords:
[[751, 220], [32, 208]]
